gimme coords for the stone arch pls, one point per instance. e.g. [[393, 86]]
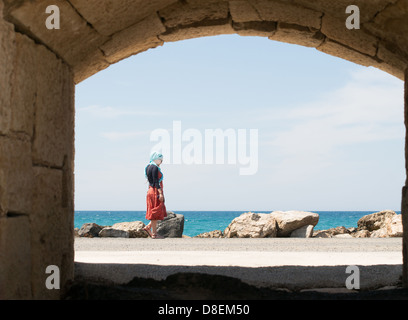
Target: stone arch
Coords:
[[40, 67]]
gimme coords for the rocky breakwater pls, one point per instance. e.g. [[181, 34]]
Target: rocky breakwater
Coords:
[[382, 224], [171, 227], [272, 225]]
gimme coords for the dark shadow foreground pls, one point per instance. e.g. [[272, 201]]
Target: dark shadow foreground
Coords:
[[199, 286]]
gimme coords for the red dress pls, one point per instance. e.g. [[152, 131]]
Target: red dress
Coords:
[[156, 210]]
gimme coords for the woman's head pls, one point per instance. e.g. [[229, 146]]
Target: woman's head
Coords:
[[156, 157]]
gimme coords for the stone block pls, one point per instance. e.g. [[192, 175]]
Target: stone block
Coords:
[[54, 116], [338, 50], [181, 14], [16, 176], [73, 41], [111, 16], [15, 258], [299, 35], [24, 86], [289, 13], [51, 231], [134, 39], [255, 28], [92, 64], [243, 11], [7, 52], [197, 31], [368, 9], [357, 39]]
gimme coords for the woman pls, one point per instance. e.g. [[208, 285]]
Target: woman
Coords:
[[156, 210]]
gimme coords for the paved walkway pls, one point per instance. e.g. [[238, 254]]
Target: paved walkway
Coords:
[[274, 262]]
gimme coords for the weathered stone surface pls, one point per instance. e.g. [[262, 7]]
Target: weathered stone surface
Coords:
[[134, 39], [358, 39], [181, 14], [89, 230], [338, 50], [368, 9], [7, 53], [289, 13], [197, 31], [134, 228], [288, 221], [243, 11], [296, 34], [394, 228], [16, 173], [94, 62], [68, 41], [111, 16], [211, 234], [255, 28], [15, 258], [303, 232], [329, 233], [110, 232], [23, 91], [252, 225], [52, 227], [361, 234], [172, 226], [375, 221], [54, 116]]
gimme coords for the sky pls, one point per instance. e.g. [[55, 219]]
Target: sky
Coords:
[[315, 132]]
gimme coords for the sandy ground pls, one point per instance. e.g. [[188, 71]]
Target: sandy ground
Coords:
[[279, 262]]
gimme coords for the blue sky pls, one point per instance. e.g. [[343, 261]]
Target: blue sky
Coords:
[[330, 133]]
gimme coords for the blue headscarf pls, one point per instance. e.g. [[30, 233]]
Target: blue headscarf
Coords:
[[154, 156]]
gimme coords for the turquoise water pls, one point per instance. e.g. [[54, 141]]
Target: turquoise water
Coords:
[[196, 222]]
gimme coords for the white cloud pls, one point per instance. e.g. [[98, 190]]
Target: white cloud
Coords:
[[368, 108]]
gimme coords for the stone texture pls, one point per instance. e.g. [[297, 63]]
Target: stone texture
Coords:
[[94, 62], [134, 228], [357, 39], [51, 231], [172, 226], [211, 234], [303, 232], [184, 14], [17, 175], [15, 258], [135, 39], [375, 221], [299, 35], [289, 13], [111, 16], [7, 53], [54, 115], [338, 50], [89, 230], [255, 28], [23, 92], [243, 11], [288, 221], [330, 233], [252, 225], [68, 42], [110, 232]]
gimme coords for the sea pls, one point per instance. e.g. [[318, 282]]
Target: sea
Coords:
[[196, 222]]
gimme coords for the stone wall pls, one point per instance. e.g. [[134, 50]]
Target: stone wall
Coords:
[[36, 166], [38, 69]]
